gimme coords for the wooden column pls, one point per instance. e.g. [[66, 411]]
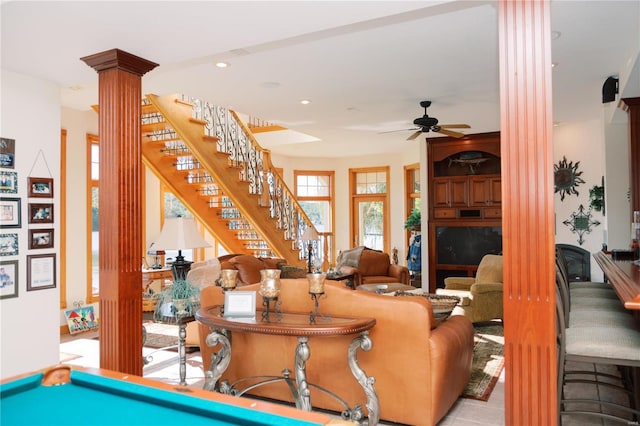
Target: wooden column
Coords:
[[528, 212], [120, 205], [632, 107]]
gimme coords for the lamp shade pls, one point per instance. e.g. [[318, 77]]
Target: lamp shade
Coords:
[[310, 234], [179, 233]]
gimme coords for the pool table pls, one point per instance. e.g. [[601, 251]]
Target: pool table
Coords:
[[70, 395]]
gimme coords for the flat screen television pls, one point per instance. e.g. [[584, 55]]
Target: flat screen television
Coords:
[[466, 245]]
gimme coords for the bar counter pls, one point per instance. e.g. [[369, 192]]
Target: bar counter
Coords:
[[624, 277]]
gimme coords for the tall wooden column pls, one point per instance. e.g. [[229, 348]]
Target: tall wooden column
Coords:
[[632, 107], [528, 212], [120, 80]]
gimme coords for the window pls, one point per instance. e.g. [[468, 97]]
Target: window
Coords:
[[93, 235], [412, 188], [315, 192], [370, 207]]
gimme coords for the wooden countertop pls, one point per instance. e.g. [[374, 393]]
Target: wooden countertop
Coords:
[[624, 276]]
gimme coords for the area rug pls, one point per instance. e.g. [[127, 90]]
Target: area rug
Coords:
[[488, 361], [164, 336]]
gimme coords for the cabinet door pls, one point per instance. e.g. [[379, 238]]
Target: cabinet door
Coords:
[[479, 191], [459, 192], [495, 184], [441, 193]]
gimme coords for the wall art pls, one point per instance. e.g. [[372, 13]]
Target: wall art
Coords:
[[8, 244], [8, 279], [580, 223], [40, 187], [40, 238], [40, 213], [81, 319], [8, 182], [7, 153], [41, 271], [10, 213], [566, 177]]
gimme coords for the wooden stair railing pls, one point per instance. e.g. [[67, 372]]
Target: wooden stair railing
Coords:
[[218, 170]]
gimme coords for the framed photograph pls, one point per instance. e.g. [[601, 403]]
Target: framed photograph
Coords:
[[40, 213], [8, 279], [7, 153], [10, 213], [40, 187], [8, 182], [41, 271], [8, 244], [239, 305], [40, 238]]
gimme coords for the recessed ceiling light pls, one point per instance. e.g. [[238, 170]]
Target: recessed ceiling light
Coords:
[[305, 102], [222, 64], [76, 87], [554, 64], [555, 35], [270, 84]]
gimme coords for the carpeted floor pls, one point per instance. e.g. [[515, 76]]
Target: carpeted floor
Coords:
[[488, 360]]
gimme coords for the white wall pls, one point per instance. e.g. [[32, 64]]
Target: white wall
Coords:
[[30, 327], [584, 143]]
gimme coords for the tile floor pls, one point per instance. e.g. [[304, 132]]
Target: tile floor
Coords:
[[84, 350]]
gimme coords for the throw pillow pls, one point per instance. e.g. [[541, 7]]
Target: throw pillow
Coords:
[[289, 271]]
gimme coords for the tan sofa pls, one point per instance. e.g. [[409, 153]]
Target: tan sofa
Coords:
[[375, 267], [419, 371]]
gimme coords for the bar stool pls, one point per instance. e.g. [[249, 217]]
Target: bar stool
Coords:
[[599, 345]]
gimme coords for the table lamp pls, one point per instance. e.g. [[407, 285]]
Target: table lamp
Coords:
[[309, 235], [179, 233]]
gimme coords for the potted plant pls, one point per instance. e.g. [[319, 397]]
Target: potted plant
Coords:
[[414, 221], [178, 300]]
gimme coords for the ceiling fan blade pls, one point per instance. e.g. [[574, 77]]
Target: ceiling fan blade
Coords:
[[455, 126], [399, 130], [415, 135], [449, 133]]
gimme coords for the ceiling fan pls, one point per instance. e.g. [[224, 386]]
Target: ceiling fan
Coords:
[[430, 124]]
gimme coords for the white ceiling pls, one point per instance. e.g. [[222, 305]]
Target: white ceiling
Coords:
[[365, 65]]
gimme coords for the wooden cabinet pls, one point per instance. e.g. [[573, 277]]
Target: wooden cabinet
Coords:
[[451, 192], [465, 204], [485, 191]]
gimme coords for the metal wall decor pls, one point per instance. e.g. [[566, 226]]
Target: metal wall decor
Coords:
[[580, 223], [566, 177]]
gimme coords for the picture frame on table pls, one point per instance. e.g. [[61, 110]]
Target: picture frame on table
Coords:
[[40, 213], [41, 271], [240, 305], [10, 212], [8, 182], [41, 238], [8, 244], [40, 187], [8, 279]]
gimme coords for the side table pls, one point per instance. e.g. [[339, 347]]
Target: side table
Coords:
[[181, 322]]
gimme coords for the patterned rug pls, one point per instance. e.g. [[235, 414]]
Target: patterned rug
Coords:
[[488, 360], [164, 336]]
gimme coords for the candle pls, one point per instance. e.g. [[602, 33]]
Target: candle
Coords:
[[316, 283], [228, 278]]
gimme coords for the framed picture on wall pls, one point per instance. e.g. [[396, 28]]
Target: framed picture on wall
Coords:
[[40, 187], [8, 244], [40, 213], [41, 271], [8, 279], [40, 238], [8, 182], [7, 153], [10, 213]]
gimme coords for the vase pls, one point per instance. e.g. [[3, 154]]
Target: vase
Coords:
[[228, 279], [181, 307], [269, 283]]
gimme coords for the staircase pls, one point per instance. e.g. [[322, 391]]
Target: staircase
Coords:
[[212, 163]]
